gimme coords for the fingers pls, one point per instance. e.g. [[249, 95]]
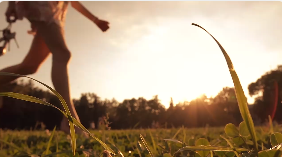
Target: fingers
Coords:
[[104, 26]]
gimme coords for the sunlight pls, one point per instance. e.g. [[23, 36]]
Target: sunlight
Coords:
[[186, 88], [173, 71]]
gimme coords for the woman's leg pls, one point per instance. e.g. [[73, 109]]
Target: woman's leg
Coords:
[[53, 36], [38, 52]]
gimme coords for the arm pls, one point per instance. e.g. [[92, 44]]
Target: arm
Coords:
[[103, 25], [80, 8]]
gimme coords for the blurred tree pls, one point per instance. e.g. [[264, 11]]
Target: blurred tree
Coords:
[[268, 92], [227, 106], [137, 113]]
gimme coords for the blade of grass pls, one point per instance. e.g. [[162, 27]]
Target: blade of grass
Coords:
[[129, 140], [173, 140], [270, 125], [91, 135], [153, 141], [51, 89], [176, 133], [118, 151], [138, 149], [136, 125], [241, 98], [57, 145], [230, 144], [66, 113], [73, 138], [211, 148], [146, 145], [29, 98], [63, 102], [40, 101], [49, 142], [184, 134]]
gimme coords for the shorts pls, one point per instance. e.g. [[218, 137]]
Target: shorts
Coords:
[[42, 11]]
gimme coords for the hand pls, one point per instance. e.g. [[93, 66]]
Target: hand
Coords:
[[11, 15], [103, 25]]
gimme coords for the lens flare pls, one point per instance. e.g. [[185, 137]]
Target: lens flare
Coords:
[[2, 50]]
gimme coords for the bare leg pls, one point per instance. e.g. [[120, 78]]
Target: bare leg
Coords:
[[37, 54], [54, 38]]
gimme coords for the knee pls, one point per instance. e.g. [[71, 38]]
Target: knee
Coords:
[[63, 56], [28, 69]]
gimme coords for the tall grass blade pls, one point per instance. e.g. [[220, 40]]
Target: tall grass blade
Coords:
[[178, 131], [116, 148], [211, 153], [153, 141], [29, 98], [63, 102], [51, 89], [73, 138], [91, 135], [270, 125], [138, 148], [184, 134], [146, 145], [66, 113], [136, 125], [57, 144], [241, 98], [49, 142]]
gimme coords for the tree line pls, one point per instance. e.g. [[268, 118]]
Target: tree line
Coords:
[[139, 112]]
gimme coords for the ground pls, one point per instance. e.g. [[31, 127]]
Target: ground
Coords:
[[14, 143]]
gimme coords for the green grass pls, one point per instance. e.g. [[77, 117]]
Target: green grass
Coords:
[[37, 142], [244, 140]]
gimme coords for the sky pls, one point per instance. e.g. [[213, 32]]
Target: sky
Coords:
[[152, 49]]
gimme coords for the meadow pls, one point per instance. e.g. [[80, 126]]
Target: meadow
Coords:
[[161, 142], [36, 142], [244, 140]]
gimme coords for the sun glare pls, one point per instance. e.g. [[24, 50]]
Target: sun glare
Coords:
[[177, 65]]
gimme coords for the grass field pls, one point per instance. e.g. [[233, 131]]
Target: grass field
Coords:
[[20, 143]]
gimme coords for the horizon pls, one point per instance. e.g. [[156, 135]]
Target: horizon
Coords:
[[188, 65]]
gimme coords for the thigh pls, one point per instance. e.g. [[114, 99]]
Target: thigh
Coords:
[[38, 52], [53, 36]]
